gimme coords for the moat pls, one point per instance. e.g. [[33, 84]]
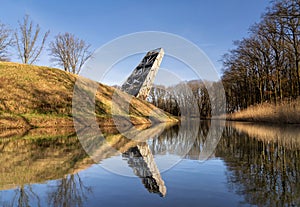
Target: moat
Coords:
[[251, 165]]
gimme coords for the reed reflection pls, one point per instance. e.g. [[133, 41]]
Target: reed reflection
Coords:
[[263, 163]]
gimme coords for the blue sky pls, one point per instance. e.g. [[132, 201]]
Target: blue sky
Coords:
[[210, 24]]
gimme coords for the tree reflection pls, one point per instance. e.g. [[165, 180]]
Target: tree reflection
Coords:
[[37, 158], [23, 196], [187, 143], [175, 140], [69, 192], [263, 162], [266, 172]]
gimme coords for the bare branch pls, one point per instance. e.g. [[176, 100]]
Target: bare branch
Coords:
[[27, 38], [69, 52], [6, 41]]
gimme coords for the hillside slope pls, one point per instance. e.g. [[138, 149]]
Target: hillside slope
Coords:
[[35, 96]]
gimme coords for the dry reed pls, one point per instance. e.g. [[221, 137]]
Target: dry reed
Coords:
[[286, 112]]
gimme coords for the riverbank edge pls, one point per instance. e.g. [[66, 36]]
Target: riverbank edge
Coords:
[[31, 121], [286, 112]]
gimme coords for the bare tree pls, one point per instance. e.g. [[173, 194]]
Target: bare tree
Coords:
[[27, 39], [5, 41], [266, 65], [69, 191], [69, 52]]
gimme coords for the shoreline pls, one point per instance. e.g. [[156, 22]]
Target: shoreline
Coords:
[[286, 112], [29, 121], [262, 122], [42, 97]]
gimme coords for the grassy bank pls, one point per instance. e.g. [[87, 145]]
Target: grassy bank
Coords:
[[286, 112], [34, 96]]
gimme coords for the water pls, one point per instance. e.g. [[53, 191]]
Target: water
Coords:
[[248, 165]]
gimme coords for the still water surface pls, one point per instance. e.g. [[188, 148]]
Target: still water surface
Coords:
[[252, 165]]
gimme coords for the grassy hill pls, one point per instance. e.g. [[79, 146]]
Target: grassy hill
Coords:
[[35, 96]]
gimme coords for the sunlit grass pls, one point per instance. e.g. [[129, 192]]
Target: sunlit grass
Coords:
[[35, 96], [284, 112]]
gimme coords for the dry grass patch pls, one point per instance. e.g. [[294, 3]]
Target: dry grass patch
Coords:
[[35, 96], [287, 112]]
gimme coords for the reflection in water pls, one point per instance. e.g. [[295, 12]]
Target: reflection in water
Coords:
[[38, 156], [141, 160], [69, 191], [286, 135], [265, 169], [56, 157], [35, 158], [174, 141], [197, 141], [22, 196], [262, 162], [131, 144], [113, 143]]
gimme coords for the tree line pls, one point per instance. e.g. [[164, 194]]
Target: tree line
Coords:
[[264, 67], [66, 50], [189, 98]]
